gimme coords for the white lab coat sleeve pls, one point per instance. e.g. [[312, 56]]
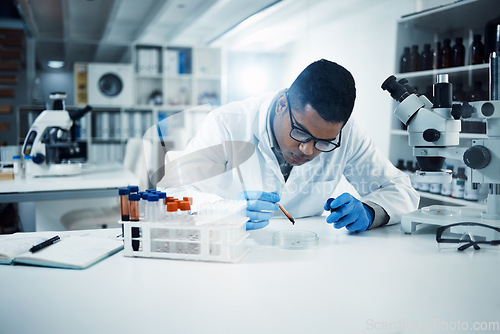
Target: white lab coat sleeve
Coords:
[[375, 177], [202, 159]]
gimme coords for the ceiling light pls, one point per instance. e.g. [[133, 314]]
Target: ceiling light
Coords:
[[55, 63]]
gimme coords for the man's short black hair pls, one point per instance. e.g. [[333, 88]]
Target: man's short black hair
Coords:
[[328, 87]]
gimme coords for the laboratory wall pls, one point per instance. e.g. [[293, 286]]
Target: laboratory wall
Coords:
[[361, 36], [358, 34], [57, 81], [253, 73]]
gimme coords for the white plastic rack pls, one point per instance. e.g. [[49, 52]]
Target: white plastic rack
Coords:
[[192, 237]]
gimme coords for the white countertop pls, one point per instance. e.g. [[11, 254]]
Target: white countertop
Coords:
[[92, 177], [379, 281]]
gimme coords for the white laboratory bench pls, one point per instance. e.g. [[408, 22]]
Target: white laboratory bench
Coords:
[[378, 281], [51, 196]]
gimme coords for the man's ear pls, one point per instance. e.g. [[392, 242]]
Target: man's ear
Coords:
[[281, 105]]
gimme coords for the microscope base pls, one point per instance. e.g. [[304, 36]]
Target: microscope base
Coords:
[[444, 215]]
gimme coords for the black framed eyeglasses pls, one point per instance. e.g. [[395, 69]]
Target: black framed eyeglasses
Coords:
[[303, 136], [467, 239]]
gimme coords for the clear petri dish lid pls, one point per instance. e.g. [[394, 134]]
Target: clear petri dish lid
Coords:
[[441, 210], [293, 239]]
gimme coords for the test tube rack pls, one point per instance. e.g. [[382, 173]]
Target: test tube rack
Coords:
[[200, 238]]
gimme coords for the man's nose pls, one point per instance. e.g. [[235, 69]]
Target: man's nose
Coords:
[[307, 148]]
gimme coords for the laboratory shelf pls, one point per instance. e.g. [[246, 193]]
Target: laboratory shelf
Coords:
[[459, 19], [451, 70]]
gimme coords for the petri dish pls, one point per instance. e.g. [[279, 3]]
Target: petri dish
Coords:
[[440, 210], [293, 239]]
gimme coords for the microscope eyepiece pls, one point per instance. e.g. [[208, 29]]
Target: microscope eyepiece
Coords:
[[397, 89], [58, 98], [79, 113]]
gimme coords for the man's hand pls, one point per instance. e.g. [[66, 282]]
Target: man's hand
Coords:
[[348, 211], [260, 207]]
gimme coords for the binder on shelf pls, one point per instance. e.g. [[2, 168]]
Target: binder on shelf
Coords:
[[148, 61], [171, 62]]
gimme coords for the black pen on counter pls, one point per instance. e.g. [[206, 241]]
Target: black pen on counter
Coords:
[[44, 244]]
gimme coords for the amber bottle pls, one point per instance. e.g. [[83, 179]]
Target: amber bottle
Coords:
[[426, 58], [458, 58], [476, 51], [436, 56], [414, 59], [404, 65], [446, 54]]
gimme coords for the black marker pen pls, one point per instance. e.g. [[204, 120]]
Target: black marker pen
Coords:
[[44, 244]]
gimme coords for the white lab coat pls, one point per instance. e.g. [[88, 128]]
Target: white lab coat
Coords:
[[308, 186]]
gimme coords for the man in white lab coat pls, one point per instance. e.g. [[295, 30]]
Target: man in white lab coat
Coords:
[[294, 147]]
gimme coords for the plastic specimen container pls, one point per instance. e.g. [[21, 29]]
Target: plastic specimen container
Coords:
[[295, 239]]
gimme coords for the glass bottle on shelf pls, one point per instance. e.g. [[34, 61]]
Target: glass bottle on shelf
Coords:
[[436, 56], [471, 191], [435, 188], [491, 38], [476, 51], [446, 54], [458, 51], [404, 64], [414, 59], [426, 58], [446, 187], [458, 183]]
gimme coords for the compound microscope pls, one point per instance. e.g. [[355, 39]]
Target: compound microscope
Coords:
[[51, 148], [434, 130]]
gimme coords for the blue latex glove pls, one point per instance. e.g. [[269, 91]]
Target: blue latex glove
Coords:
[[348, 211], [260, 207]]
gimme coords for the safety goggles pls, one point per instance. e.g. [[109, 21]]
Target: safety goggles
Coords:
[[468, 234]]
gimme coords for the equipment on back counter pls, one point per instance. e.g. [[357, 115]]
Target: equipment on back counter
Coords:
[[51, 147], [434, 133]]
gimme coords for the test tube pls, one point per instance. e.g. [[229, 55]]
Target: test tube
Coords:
[[28, 161], [185, 207], [134, 216], [171, 210], [17, 166], [162, 205], [133, 189], [152, 211], [142, 205], [189, 199], [124, 203], [134, 206]]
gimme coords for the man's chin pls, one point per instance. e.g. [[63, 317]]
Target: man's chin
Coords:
[[296, 161]]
